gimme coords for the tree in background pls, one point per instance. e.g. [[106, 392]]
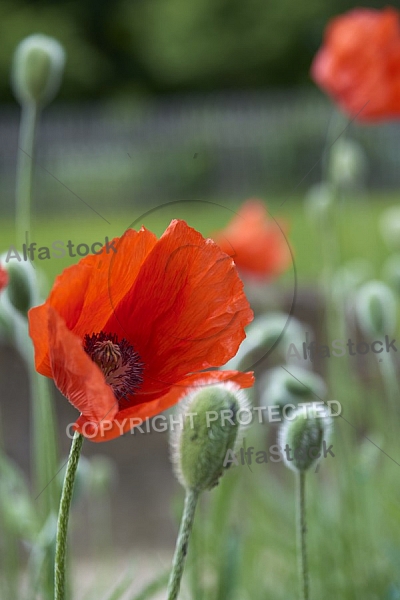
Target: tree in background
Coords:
[[160, 46]]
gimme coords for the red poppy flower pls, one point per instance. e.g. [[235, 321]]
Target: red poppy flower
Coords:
[[3, 278], [255, 242], [359, 63], [125, 334]]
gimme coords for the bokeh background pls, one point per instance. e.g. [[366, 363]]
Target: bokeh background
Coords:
[[179, 109]]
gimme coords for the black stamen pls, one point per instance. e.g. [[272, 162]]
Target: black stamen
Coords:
[[120, 363]]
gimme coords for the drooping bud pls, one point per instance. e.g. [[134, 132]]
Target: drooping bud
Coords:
[[210, 430], [19, 290], [22, 289], [37, 69], [375, 306], [20, 294], [287, 387], [275, 332], [304, 435]]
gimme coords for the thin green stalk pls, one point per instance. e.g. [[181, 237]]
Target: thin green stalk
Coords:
[[44, 447], [392, 391], [301, 535], [26, 143], [63, 517], [9, 544], [330, 246], [182, 544], [44, 444], [389, 377]]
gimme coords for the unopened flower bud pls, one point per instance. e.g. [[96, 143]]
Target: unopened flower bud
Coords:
[[291, 385], [304, 435], [20, 294], [210, 429], [37, 69], [19, 291], [22, 288], [376, 309], [275, 331]]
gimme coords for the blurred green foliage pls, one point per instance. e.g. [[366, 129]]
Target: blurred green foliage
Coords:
[[141, 46], [356, 242]]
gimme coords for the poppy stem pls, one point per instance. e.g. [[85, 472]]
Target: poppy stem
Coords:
[[63, 517], [26, 144], [390, 383], [182, 543], [301, 533]]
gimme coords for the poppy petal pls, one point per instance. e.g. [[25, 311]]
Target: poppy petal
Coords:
[[67, 305], [39, 333], [186, 311], [256, 242], [3, 278], [358, 64], [98, 283], [77, 377], [113, 274], [77, 278]]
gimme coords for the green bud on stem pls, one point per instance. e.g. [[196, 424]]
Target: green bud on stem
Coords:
[[284, 386], [22, 290], [376, 309], [37, 69], [304, 434], [210, 429]]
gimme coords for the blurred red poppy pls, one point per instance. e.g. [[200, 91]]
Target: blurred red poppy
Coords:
[[359, 63], [3, 278], [255, 242], [125, 334]]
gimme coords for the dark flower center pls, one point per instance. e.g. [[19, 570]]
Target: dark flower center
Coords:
[[119, 362]]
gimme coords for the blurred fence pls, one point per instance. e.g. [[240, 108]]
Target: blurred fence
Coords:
[[230, 145]]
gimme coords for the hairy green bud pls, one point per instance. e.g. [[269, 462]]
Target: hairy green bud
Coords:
[[376, 309], [210, 429], [22, 290], [304, 434], [21, 293], [19, 290], [37, 69]]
